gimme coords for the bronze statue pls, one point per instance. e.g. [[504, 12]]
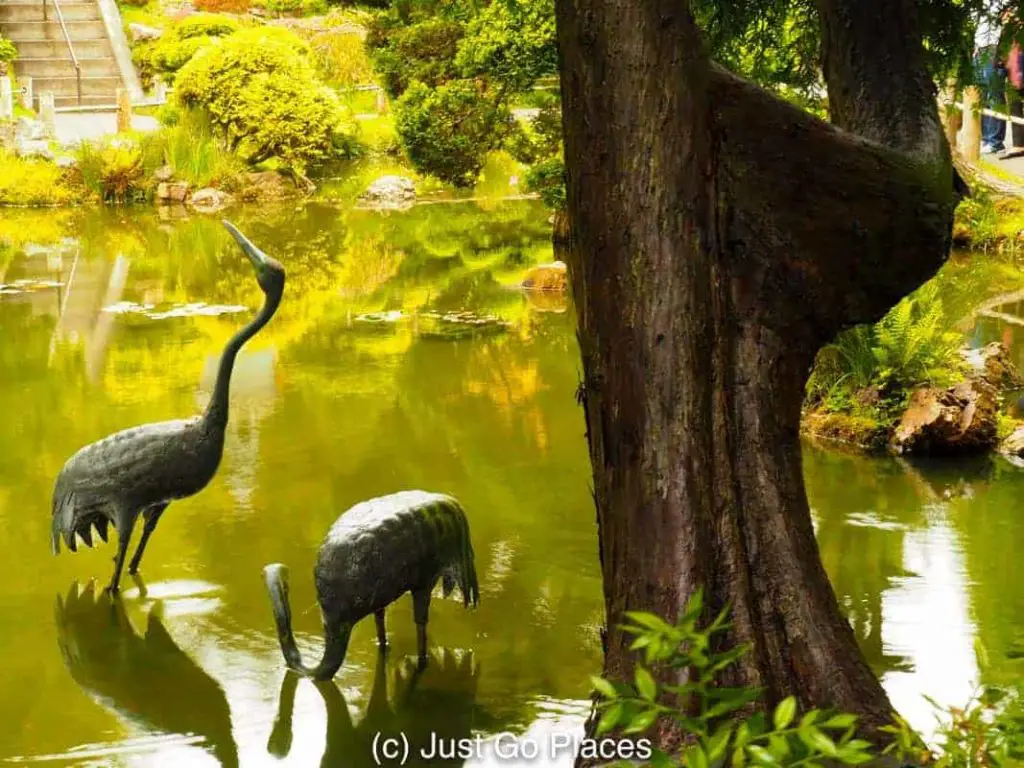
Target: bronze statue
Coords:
[[148, 680], [139, 471], [373, 554]]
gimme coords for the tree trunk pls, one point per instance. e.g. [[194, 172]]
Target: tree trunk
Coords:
[[719, 237]]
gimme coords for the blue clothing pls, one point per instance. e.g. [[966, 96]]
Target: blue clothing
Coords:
[[992, 82]]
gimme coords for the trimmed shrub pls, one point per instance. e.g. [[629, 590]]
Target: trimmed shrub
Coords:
[[259, 90], [179, 43]]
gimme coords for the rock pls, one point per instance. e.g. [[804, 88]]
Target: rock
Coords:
[[141, 33], [172, 192], [958, 420], [1013, 445], [390, 193], [164, 174], [266, 185], [210, 200], [992, 363], [547, 277]]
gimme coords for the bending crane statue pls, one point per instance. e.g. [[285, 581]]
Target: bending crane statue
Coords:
[[373, 554], [139, 471]]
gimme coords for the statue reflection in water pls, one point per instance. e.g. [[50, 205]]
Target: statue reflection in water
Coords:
[[428, 704], [146, 679]]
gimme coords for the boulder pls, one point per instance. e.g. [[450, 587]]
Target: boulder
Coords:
[[172, 191], [1013, 444], [141, 33], [992, 363], [957, 420], [547, 277], [389, 193], [164, 174], [210, 200], [266, 185]]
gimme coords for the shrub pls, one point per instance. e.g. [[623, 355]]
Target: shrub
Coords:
[[907, 348], [34, 182], [988, 731], [547, 178], [257, 88], [423, 52], [114, 171], [223, 6], [340, 57], [8, 52], [179, 43], [448, 131], [295, 7], [195, 154]]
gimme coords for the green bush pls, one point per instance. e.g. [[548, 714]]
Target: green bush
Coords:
[[179, 43], [423, 52], [448, 131], [547, 178], [258, 89], [988, 731], [114, 171], [910, 347], [8, 52], [296, 7], [31, 182]]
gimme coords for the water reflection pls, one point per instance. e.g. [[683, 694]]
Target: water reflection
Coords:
[[146, 679], [427, 706]]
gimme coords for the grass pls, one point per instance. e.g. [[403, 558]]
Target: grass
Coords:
[[30, 182], [195, 154]]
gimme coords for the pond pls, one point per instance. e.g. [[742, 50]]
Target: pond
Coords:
[[360, 387]]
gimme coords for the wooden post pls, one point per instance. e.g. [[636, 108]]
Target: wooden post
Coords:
[[47, 113], [970, 137], [26, 92], [124, 110], [6, 98], [382, 103]]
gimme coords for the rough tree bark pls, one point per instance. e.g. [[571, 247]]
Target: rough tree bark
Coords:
[[719, 238]]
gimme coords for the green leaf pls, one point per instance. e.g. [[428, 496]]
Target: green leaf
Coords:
[[660, 760], [839, 722], [784, 713], [695, 757], [694, 605], [742, 735], [648, 620], [603, 687], [645, 684], [818, 741], [808, 718], [739, 757], [641, 722], [719, 742], [610, 718], [981, 652], [778, 746], [641, 642], [761, 755]]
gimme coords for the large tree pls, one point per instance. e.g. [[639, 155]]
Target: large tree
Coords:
[[719, 237]]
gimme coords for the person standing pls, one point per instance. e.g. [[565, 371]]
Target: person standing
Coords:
[[992, 79], [1015, 73]]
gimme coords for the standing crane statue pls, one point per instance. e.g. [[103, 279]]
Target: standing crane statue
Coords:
[[141, 470], [373, 554]]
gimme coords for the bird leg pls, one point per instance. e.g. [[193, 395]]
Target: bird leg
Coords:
[[382, 636], [152, 517], [124, 535], [420, 610]]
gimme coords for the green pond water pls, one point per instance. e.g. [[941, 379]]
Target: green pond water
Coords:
[[403, 356]]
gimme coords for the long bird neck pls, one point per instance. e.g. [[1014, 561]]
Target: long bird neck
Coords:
[[334, 651], [217, 410]]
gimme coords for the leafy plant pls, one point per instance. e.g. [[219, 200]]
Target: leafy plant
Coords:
[[194, 153], [8, 52], [447, 131], [114, 171], [710, 713], [260, 93], [179, 43], [33, 182]]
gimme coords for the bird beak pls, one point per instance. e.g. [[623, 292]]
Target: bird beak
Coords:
[[259, 259]]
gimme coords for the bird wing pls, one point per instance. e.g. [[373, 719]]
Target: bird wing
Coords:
[[137, 466]]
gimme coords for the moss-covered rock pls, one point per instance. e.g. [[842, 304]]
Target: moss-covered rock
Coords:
[[859, 431]]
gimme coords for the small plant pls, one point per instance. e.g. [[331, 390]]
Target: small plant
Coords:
[[29, 182], [115, 172], [8, 53], [712, 713]]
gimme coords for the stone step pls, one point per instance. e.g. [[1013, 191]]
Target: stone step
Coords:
[[104, 66], [68, 86], [72, 101], [96, 48], [26, 31], [13, 12]]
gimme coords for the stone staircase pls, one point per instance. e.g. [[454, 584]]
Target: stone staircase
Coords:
[[44, 55]]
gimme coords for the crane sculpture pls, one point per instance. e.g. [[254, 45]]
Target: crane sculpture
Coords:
[[373, 554], [141, 470]]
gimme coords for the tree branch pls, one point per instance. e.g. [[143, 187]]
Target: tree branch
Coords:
[[855, 225]]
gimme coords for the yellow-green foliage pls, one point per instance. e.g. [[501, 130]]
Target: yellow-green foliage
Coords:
[[35, 182], [179, 43], [114, 171], [340, 56], [194, 153], [259, 89]]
